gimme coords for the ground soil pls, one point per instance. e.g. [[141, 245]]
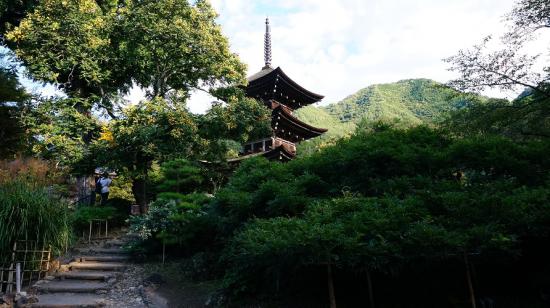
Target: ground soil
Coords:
[[176, 290]]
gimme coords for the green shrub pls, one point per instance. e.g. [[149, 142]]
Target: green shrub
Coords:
[[121, 189], [176, 220], [116, 211], [155, 221], [122, 210], [380, 201], [180, 176], [83, 215]]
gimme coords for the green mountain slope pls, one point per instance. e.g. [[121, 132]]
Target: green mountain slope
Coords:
[[405, 103], [319, 117], [411, 102]]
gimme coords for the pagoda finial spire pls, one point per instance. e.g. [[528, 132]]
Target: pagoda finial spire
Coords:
[[267, 44]]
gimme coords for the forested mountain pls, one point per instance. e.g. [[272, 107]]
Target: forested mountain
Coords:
[[411, 101], [405, 103], [319, 117]]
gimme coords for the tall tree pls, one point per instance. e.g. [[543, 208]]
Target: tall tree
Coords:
[[172, 44], [70, 45], [13, 11], [12, 97], [96, 50], [151, 131], [161, 130], [510, 68]]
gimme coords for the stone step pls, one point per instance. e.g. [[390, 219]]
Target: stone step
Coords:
[[72, 286], [97, 266], [86, 275], [114, 251], [115, 242], [68, 300], [100, 238], [102, 258]]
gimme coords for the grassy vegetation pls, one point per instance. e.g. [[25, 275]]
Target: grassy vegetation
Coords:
[[31, 212]]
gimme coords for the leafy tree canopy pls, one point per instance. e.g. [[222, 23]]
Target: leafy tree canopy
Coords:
[[509, 68], [382, 200], [12, 11], [173, 44], [12, 101], [97, 50], [379, 201], [70, 44], [161, 130]]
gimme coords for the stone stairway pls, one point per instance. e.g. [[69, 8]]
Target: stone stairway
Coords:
[[86, 280]]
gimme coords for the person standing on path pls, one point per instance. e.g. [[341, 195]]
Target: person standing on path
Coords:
[[105, 181]]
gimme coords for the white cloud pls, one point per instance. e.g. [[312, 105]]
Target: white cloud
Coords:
[[337, 47], [135, 95]]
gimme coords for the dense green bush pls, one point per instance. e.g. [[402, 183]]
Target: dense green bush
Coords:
[[383, 202], [29, 211], [122, 207], [121, 189], [116, 211], [175, 219], [181, 176], [82, 216]]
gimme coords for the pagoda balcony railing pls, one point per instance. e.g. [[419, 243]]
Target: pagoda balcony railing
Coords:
[[267, 144]]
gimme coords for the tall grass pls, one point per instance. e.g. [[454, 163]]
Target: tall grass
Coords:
[[29, 211]]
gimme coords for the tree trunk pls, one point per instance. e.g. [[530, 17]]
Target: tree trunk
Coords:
[[214, 186], [330, 282], [138, 190], [145, 207], [371, 294], [163, 251], [469, 279]]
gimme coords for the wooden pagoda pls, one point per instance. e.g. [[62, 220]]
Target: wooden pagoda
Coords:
[[282, 95]]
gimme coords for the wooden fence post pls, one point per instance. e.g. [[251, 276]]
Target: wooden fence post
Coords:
[[330, 281], [469, 279]]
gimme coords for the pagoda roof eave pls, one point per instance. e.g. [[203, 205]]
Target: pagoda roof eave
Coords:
[[265, 82], [296, 85], [283, 114], [263, 72]]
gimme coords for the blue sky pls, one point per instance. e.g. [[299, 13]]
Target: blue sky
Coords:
[[336, 47]]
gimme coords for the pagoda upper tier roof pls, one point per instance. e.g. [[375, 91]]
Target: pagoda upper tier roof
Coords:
[[288, 127], [270, 83]]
